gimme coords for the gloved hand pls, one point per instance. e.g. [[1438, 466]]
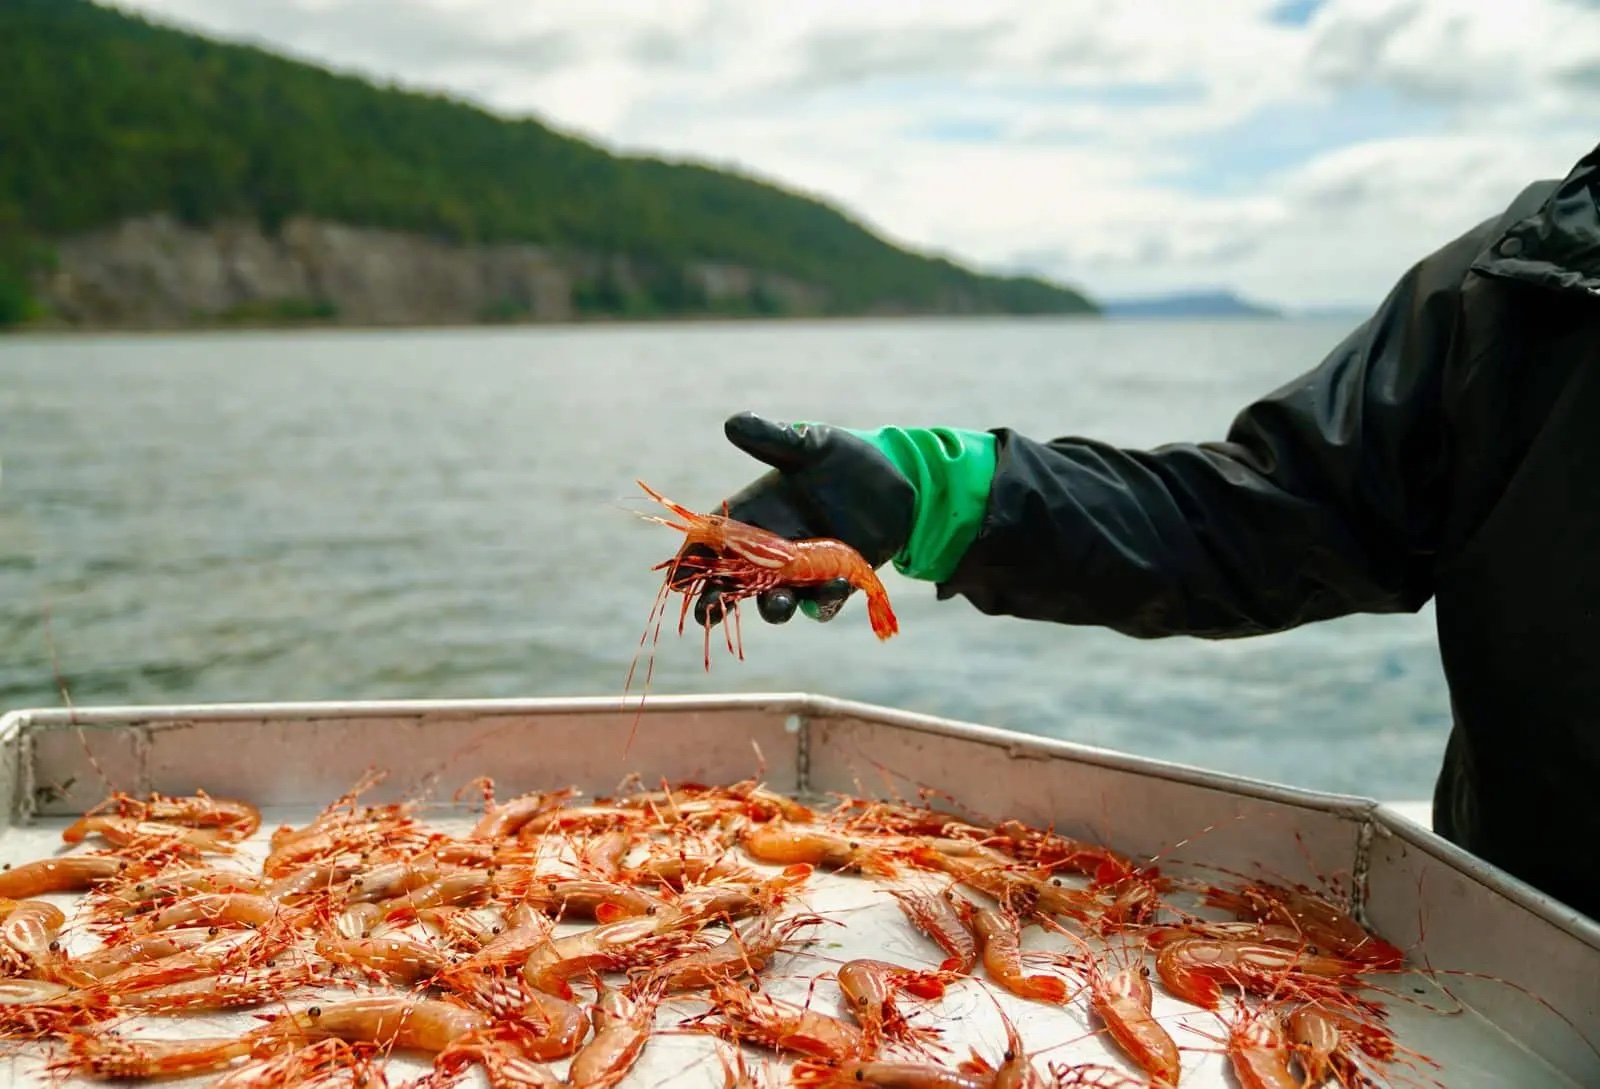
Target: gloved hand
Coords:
[[912, 496]]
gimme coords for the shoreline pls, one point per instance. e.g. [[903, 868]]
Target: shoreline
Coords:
[[20, 333], [43, 332]]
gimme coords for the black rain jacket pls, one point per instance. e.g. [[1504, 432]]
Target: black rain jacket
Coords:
[[1448, 448]]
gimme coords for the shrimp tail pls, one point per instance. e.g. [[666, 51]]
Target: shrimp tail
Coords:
[[885, 624]]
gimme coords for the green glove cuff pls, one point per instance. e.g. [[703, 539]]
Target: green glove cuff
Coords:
[[950, 471]]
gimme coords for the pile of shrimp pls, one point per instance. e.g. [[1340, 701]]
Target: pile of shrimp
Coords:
[[557, 939]]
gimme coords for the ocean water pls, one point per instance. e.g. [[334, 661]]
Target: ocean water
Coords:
[[435, 514]]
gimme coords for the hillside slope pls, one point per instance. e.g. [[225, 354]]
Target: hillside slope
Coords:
[[112, 120]]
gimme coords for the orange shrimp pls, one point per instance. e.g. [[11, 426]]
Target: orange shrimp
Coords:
[[782, 843], [993, 874], [1196, 970], [358, 920], [105, 1055], [240, 819], [506, 818], [33, 1008], [1058, 852], [31, 928], [575, 818], [1123, 999], [71, 874], [746, 949], [413, 1024], [309, 1067], [1262, 933], [623, 1021], [676, 871], [135, 833], [1316, 1040], [730, 900], [758, 1018], [397, 959], [324, 879], [1016, 1069], [1092, 1076], [111, 959], [946, 919], [1258, 1051], [754, 560], [896, 818], [814, 1074], [1322, 923], [456, 887], [869, 988], [29, 934], [1330, 1043], [503, 1050], [603, 855], [557, 1027], [1001, 941], [228, 907], [512, 945], [608, 947], [132, 896], [243, 988], [392, 879], [603, 901], [223, 952]]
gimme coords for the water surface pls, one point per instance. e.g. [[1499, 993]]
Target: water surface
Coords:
[[302, 516]]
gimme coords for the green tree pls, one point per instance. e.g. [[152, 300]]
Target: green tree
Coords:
[[108, 115]]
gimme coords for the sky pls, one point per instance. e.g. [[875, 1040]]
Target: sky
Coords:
[[1303, 153]]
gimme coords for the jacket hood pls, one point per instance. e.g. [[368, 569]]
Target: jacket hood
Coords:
[[1553, 237]]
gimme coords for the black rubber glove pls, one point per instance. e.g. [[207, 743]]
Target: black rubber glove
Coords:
[[824, 482]]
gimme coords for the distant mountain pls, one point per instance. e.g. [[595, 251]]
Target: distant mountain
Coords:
[[1188, 304], [1352, 314], [150, 176]]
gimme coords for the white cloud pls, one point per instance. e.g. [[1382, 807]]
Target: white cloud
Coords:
[[1097, 134]]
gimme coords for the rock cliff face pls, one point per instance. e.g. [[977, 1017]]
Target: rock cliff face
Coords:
[[158, 273]]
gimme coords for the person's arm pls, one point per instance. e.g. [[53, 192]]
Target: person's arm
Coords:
[[1324, 500]]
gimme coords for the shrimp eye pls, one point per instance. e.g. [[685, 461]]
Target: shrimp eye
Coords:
[[138, 888], [1056, 881], [55, 947], [494, 930], [859, 1075], [314, 1011], [1010, 1056]]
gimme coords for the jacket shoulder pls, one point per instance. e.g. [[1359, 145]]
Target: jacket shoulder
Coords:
[[1549, 236]]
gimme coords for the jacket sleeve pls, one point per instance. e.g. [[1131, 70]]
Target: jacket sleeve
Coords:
[[1324, 499]]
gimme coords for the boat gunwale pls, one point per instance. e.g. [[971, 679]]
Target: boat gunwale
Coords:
[[809, 709]]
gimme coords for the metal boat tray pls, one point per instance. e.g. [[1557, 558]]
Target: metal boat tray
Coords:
[[1507, 955]]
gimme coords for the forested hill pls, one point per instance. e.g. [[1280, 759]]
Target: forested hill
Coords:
[[111, 119]]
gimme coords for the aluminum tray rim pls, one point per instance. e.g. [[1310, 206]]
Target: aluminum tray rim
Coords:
[[802, 707]]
